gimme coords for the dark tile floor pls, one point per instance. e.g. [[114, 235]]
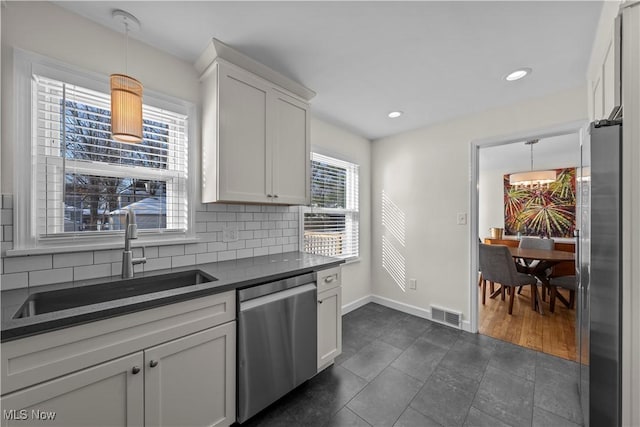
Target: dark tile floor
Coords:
[[401, 370]]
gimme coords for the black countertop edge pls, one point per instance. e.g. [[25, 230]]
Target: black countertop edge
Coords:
[[14, 329]]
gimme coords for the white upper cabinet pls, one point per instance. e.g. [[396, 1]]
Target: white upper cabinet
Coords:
[[255, 134]]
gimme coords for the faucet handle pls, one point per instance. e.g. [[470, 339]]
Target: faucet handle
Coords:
[[132, 231]]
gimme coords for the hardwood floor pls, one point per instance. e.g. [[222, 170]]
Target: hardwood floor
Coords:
[[551, 333]]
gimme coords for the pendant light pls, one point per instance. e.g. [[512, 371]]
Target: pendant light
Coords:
[[532, 178], [126, 92]]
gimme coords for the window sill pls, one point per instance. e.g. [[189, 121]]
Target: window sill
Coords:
[[82, 247]]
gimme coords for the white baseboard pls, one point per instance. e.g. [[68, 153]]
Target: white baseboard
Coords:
[[356, 304], [396, 305]]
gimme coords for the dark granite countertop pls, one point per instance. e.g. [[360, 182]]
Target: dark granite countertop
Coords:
[[229, 274]]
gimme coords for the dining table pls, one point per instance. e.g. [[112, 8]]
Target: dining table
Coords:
[[546, 259]]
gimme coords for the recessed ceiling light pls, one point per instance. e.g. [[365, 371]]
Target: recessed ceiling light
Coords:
[[518, 74], [394, 114]]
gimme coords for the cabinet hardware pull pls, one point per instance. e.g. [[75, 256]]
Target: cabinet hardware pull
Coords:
[[153, 363], [329, 279], [319, 301], [275, 195], [135, 370], [269, 195]]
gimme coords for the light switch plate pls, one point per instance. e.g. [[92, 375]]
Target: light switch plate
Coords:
[[462, 218], [230, 233], [413, 283]]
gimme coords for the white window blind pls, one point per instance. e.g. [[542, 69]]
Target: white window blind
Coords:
[[84, 180], [331, 223]]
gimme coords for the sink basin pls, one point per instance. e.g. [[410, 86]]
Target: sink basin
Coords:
[[50, 301]]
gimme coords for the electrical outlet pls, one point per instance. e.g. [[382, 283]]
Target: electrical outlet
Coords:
[[230, 233], [462, 218], [413, 284]]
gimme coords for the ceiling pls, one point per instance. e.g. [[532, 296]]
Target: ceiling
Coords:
[[549, 153], [432, 60]]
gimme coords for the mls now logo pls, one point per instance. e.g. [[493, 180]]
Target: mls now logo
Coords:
[[23, 414]]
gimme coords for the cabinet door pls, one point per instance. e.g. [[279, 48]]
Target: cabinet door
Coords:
[[244, 174], [191, 381], [329, 326], [107, 394], [290, 150]]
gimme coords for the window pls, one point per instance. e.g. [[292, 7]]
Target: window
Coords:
[[83, 180], [331, 223]]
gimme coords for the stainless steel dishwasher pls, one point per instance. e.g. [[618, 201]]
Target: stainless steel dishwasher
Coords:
[[277, 344]]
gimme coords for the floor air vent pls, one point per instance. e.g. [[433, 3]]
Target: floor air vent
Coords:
[[448, 317]]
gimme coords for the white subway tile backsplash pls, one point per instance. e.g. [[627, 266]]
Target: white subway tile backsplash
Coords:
[[7, 201], [245, 235], [244, 253], [262, 229], [151, 252], [157, 264], [252, 225], [173, 250], [206, 216], [236, 245], [15, 281], [253, 243], [181, 261], [235, 208], [91, 271], [214, 226], [72, 259], [260, 251], [275, 249], [226, 255], [6, 216], [47, 277], [107, 257], [206, 257], [269, 241], [195, 248], [7, 233], [227, 216], [275, 233], [28, 263], [216, 207]]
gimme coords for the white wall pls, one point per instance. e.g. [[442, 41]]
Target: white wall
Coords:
[[426, 174], [494, 162], [333, 141]]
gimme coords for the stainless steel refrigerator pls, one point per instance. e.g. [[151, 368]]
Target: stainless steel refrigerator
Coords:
[[600, 291]]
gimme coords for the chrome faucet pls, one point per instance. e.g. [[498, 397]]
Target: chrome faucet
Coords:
[[130, 233]]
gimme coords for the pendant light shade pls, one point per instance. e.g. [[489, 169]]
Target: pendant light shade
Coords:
[[532, 178], [126, 92], [126, 108]]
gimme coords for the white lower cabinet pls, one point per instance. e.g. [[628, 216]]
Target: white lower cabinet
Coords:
[[329, 316], [191, 381], [168, 366], [109, 394]]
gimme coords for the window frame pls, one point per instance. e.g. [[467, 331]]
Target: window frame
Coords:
[[26, 238], [347, 212]]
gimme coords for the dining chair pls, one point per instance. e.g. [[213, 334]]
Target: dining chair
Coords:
[[496, 265], [565, 282], [525, 266]]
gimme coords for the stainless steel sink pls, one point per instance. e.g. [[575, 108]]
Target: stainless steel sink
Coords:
[[63, 299]]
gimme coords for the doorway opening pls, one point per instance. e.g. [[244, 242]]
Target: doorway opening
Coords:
[[520, 212]]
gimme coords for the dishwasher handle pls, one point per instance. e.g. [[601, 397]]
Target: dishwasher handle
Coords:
[[277, 286], [277, 296]]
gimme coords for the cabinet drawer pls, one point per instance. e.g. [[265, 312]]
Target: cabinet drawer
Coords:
[[329, 278], [39, 358]]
